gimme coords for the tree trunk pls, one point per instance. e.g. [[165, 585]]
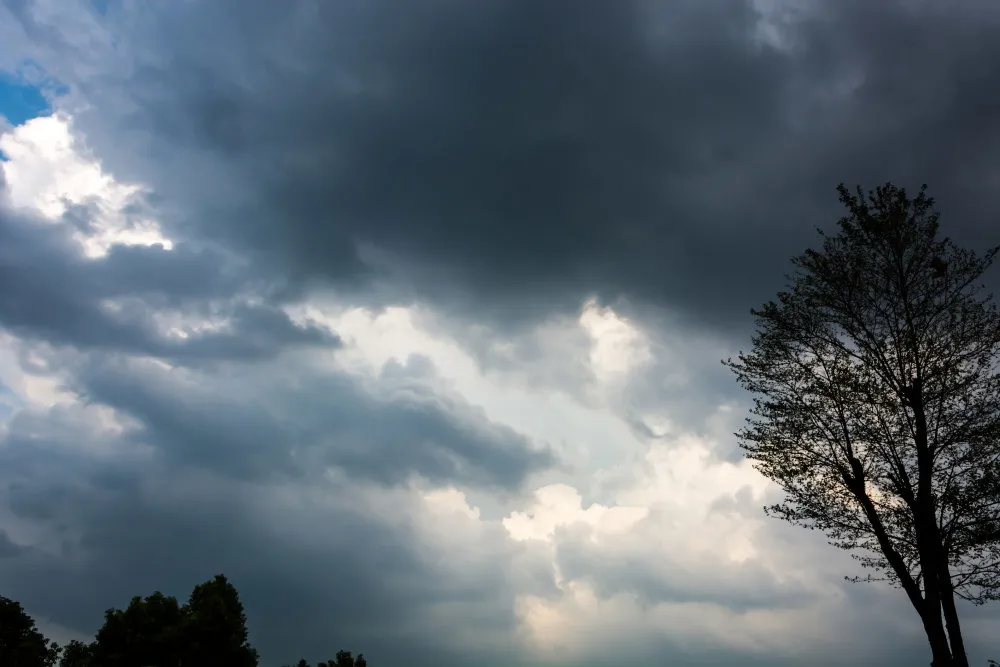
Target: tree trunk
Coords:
[[934, 603], [959, 657], [928, 538], [934, 628], [928, 605]]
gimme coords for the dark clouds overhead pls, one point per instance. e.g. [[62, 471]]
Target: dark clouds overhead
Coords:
[[512, 156], [49, 289], [316, 567], [292, 481], [307, 421]]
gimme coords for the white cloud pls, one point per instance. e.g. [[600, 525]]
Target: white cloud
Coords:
[[49, 170], [32, 387], [585, 432], [559, 505], [618, 346], [670, 505], [665, 515]]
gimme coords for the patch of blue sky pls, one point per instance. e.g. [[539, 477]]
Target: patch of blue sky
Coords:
[[21, 101], [27, 92]]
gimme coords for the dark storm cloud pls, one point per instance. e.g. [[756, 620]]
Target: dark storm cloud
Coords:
[[160, 504], [509, 157], [7, 547], [51, 291], [224, 471], [502, 159], [307, 421], [333, 572]]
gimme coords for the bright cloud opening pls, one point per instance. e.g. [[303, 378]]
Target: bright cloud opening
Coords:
[[49, 171]]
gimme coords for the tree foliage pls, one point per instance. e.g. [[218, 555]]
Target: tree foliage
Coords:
[[876, 377], [342, 659], [214, 627], [77, 654], [21, 644], [209, 630], [154, 631], [147, 632]]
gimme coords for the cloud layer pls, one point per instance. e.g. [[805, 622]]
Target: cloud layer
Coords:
[[408, 316]]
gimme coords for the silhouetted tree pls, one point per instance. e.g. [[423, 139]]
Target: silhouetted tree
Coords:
[[208, 631], [215, 630], [877, 406], [147, 632], [343, 659], [21, 644], [77, 654], [156, 631]]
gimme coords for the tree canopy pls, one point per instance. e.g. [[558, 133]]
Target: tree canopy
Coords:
[[876, 377], [154, 631], [21, 644]]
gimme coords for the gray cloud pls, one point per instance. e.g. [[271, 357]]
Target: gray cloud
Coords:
[[511, 157], [501, 160], [240, 415], [306, 421], [8, 549], [48, 289], [318, 559]]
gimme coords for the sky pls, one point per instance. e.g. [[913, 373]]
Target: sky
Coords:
[[408, 316]]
